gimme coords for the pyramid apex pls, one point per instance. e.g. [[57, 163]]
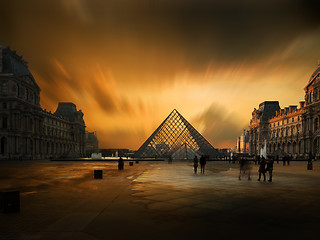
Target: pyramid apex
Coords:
[[175, 135]]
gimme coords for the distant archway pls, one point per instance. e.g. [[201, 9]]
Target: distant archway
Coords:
[[315, 146], [294, 146], [300, 147], [289, 148]]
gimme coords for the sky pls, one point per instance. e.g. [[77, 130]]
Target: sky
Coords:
[[128, 63]]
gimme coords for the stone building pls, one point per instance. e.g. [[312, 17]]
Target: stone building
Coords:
[[91, 143], [26, 130], [292, 130]]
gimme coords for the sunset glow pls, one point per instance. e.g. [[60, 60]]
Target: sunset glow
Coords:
[[127, 65]]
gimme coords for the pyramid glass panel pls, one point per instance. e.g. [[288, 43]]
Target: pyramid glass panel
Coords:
[[175, 138]]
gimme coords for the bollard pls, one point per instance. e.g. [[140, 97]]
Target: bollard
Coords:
[[130, 163], [10, 202], [98, 174], [309, 166]]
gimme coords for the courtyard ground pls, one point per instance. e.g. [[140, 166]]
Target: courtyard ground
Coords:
[[157, 200]]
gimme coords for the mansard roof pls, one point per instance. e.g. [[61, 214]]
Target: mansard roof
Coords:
[[315, 73], [68, 110], [13, 63]]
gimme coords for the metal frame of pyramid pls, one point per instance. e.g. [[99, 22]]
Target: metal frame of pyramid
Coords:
[[173, 134]]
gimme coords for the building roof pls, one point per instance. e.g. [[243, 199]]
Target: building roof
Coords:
[[13, 63], [66, 110], [315, 72]]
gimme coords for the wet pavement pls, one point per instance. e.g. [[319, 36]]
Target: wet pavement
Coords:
[[157, 200]]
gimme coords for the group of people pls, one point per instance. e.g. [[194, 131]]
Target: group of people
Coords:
[[266, 166], [203, 162]]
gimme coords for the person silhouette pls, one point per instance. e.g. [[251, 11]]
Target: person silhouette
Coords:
[[270, 168], [120, 163], [245, 168], [195, 164], [202, 163], [262, 168]]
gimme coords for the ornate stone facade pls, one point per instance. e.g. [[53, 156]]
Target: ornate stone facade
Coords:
[[91, 143], [26, 130], [290, 131]]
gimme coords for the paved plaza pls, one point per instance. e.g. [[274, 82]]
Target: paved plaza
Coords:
[[157, 200]]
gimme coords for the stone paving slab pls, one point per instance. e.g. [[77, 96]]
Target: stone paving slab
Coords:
[[157, 200]]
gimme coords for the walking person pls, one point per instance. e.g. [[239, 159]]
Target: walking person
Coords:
[[120, 163], [195, 164], [262, 168], [288, 160], [270, 168], [258, 159], [202, 163], [245, 168]]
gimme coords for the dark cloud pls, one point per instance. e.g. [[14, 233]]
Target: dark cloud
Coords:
[[221, 126], [162, 36]]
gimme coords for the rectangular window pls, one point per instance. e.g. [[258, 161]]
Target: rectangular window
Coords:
[[4, 122]]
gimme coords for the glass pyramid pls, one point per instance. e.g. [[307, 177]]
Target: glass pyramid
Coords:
[[176, 138]]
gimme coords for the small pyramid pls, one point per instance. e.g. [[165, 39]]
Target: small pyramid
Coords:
[[175, 137]]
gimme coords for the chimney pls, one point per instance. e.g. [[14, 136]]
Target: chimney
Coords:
[[286, 110], [302, 104], [292, 108]]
